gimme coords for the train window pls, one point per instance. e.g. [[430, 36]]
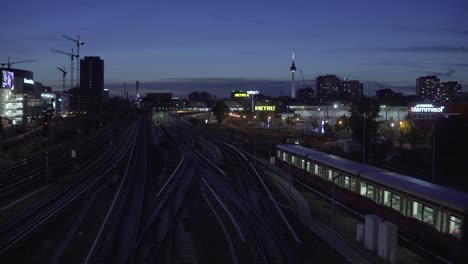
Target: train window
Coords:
[[363, 188], [330, 175], [302, 163], [293, 160], [308, 167], [285, 156], [428, 215], [316, 170], [396, 202], [370, 191], [455, 224], [353, 184], [321, 171], [278, 154], [387, 198], [444, 222], [417, 210], [346, 182]]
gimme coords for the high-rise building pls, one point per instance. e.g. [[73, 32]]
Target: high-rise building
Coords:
[[305, 95], [327, 87], [428, 88], [450, 90], [350, 90], [330, 87], [91, 82]]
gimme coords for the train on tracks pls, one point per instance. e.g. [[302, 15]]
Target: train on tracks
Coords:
[[430, 215]]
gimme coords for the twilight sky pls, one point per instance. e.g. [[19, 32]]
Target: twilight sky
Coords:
[[217, 46]]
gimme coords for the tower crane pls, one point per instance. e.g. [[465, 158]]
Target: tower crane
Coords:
[[9, 63], [78, 44], [72, 57], [64, 73]]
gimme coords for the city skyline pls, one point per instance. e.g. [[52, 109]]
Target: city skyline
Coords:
[[186, 46]]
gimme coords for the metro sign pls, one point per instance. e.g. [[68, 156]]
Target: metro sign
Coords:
[[427, 108]]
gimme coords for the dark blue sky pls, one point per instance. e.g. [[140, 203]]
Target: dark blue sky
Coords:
[[242, 43]]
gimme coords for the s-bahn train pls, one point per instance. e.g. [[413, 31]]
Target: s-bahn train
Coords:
[[428, 214]]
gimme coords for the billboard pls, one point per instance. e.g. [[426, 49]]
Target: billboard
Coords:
[[265, 108], [8, 80], [239, 94]]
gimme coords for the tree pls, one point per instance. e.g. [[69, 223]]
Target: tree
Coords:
[[364, 112], [219, 109], [451, 143], [341, 123]]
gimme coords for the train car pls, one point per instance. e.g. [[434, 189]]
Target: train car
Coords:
[[430, 215]]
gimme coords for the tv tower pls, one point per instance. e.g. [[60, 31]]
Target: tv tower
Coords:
[[293, 71]]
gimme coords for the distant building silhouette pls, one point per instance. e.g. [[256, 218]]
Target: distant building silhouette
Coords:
[[430, 89], [204, 97], [306, 95], [330, 87], [450, 90], [387, 96], [91, 83]]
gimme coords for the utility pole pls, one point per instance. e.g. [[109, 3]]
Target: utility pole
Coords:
[[433, 157], [364, 141]]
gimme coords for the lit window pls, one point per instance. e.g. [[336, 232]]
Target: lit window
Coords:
[[428, 215], [363, 188], [346, 182], [417, 210], [278, 155], [455, 225], [353, 184], [316, 169], [308, 167], [387, 198], [396, 202], [370, 191]]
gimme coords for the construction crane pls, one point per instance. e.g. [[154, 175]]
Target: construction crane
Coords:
[[64, 73], [72, 57], [78, 44], [9, 63]]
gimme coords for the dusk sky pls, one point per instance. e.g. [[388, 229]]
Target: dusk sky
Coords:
[[217, 46]]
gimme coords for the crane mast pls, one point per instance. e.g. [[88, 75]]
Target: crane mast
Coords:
[[72, 57], [78, 44], [64, 73]]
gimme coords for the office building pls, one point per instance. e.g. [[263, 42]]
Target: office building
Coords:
[[92, 82], [330, 87]]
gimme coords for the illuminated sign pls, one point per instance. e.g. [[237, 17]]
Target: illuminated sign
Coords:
[[28, 81], [8, 80], [252, 92], [241, 95], [426, 108], [265, 108]]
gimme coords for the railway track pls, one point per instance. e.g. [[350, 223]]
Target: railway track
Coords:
[[14, 232]]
